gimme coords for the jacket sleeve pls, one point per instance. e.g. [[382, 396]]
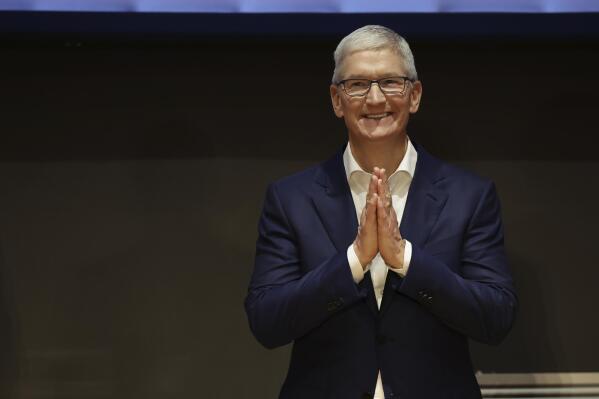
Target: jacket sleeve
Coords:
[[286, 298], [479, 300]]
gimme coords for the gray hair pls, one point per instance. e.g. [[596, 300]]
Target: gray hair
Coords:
[[374, 37]]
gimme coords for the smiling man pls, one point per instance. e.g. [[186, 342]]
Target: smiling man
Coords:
[[380, 263]]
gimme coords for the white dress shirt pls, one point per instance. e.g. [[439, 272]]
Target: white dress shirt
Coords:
[[399, 184]]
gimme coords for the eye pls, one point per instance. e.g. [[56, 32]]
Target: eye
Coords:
[[358, 84], [392, 82]]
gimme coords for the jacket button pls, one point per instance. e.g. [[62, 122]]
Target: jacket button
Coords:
[[335, 304]]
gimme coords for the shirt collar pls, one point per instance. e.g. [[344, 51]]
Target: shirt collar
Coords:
[[407, 164]]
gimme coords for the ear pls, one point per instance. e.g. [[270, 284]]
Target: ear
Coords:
[[415, 96], [336, 100]]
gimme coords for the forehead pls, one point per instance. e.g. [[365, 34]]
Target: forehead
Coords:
[[372, 64]]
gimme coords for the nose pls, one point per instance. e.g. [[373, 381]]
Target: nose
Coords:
[[375, 95]]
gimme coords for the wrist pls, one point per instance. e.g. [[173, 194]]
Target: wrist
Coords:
[[364, 260], [399, 256]]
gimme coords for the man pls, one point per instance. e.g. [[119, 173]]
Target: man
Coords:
[[381, 262]]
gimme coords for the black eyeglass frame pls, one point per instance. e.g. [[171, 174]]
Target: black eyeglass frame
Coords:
[[405, 79]]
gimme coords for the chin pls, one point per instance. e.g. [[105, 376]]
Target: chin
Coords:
[[382, 135]]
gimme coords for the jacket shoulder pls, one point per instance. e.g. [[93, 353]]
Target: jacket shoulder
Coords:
[[457, 174], [297, 181], [464, 185]]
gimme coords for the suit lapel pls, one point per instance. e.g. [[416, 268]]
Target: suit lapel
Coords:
[[425, 200], [335, 207], [423, 206], [334, 204]]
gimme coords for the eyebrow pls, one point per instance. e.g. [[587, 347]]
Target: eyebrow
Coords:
[[382, 76]]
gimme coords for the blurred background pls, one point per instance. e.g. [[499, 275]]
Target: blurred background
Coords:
[[137, 139]]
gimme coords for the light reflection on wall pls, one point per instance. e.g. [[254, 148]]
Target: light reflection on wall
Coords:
[[299, 6]]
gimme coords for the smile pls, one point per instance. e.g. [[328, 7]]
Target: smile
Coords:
[[377, 116]]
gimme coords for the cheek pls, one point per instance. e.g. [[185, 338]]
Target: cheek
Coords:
[[403, 107], [351, 112]]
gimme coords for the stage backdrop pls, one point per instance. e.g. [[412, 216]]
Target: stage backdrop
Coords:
[[133, 174]]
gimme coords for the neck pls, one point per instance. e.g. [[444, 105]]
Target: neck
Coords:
[[384, 154]]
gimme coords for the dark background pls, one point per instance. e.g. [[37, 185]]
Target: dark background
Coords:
[[133, 169]]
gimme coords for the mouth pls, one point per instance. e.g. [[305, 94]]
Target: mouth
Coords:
[[377, 116]]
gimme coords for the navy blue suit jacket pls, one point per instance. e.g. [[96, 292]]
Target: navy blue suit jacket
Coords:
[[458, 286]]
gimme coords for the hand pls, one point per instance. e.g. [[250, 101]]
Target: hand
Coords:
[[366, 243], [390, 243]]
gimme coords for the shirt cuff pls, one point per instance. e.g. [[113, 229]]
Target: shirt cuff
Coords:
[[407, 257], [357, 271]]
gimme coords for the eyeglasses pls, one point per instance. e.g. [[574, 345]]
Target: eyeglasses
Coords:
[[393, 85]]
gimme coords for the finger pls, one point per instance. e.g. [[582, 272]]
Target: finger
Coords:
[[393, 216], [381, 214], [383, 190], [395, 224], [372, 187], [383, 174], [371, 210], [379, 172], [385, 180]]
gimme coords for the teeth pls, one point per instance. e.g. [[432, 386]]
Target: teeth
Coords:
[[378, 116]]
